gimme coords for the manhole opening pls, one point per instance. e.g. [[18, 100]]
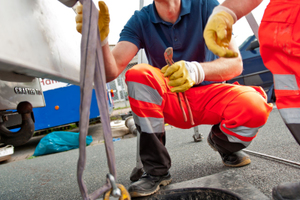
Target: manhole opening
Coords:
[[195, 194]]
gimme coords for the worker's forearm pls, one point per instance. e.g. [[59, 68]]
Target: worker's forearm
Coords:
[[241, 7], [111, 68], [117, 60], [222, 69]]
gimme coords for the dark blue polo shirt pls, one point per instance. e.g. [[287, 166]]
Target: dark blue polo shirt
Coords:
[[147, 30]]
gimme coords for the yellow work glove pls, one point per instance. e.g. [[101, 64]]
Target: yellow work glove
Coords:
[[183, 75], [218, 30], [103, 21], [78, 17]]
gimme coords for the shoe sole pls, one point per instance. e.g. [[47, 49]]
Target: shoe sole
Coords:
[[162, 183], [245, 161]]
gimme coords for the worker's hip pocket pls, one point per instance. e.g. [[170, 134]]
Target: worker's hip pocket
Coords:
[[280, 25]]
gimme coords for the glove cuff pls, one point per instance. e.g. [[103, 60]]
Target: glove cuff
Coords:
[[104, 42], [220, 8], [196, 72]]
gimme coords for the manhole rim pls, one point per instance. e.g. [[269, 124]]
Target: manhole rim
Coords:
[[191, 189]]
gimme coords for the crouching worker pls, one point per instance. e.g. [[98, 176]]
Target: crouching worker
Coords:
[[236, 112], [277, 30]]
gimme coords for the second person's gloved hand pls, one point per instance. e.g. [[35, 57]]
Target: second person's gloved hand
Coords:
[[103, 21], [218, 30], [183, 75]]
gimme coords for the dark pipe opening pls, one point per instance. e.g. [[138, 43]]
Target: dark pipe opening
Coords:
[[195, 194]]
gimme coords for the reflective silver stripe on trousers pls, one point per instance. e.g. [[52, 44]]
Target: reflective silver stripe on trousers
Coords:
[[144, 93], [242, 131], [150, 124], [285, 82], [290, 115]]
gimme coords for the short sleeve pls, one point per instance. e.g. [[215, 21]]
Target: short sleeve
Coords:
[[131, 31]]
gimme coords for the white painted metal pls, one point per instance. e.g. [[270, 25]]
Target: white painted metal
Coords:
[[39, 39], [142, 58], [12, 93], [253, 23], [7, 150], [141, 4]]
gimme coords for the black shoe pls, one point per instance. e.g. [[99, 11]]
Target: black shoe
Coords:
[[148, 185], [235, 159], [286, 191]]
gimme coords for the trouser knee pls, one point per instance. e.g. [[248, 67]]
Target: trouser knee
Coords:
[[222, 143]]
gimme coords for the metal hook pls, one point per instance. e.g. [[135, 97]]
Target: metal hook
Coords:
[[116, 192]]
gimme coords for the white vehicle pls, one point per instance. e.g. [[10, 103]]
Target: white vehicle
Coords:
[[38, 40]]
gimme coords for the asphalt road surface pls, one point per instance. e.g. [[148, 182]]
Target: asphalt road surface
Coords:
[[54, 176]]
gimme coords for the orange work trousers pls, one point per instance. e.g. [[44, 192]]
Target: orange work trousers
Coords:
[[279, 37], [240, 111]]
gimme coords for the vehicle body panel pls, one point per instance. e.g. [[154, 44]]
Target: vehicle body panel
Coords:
[[38, 39], [62, 105], [12, 93]]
